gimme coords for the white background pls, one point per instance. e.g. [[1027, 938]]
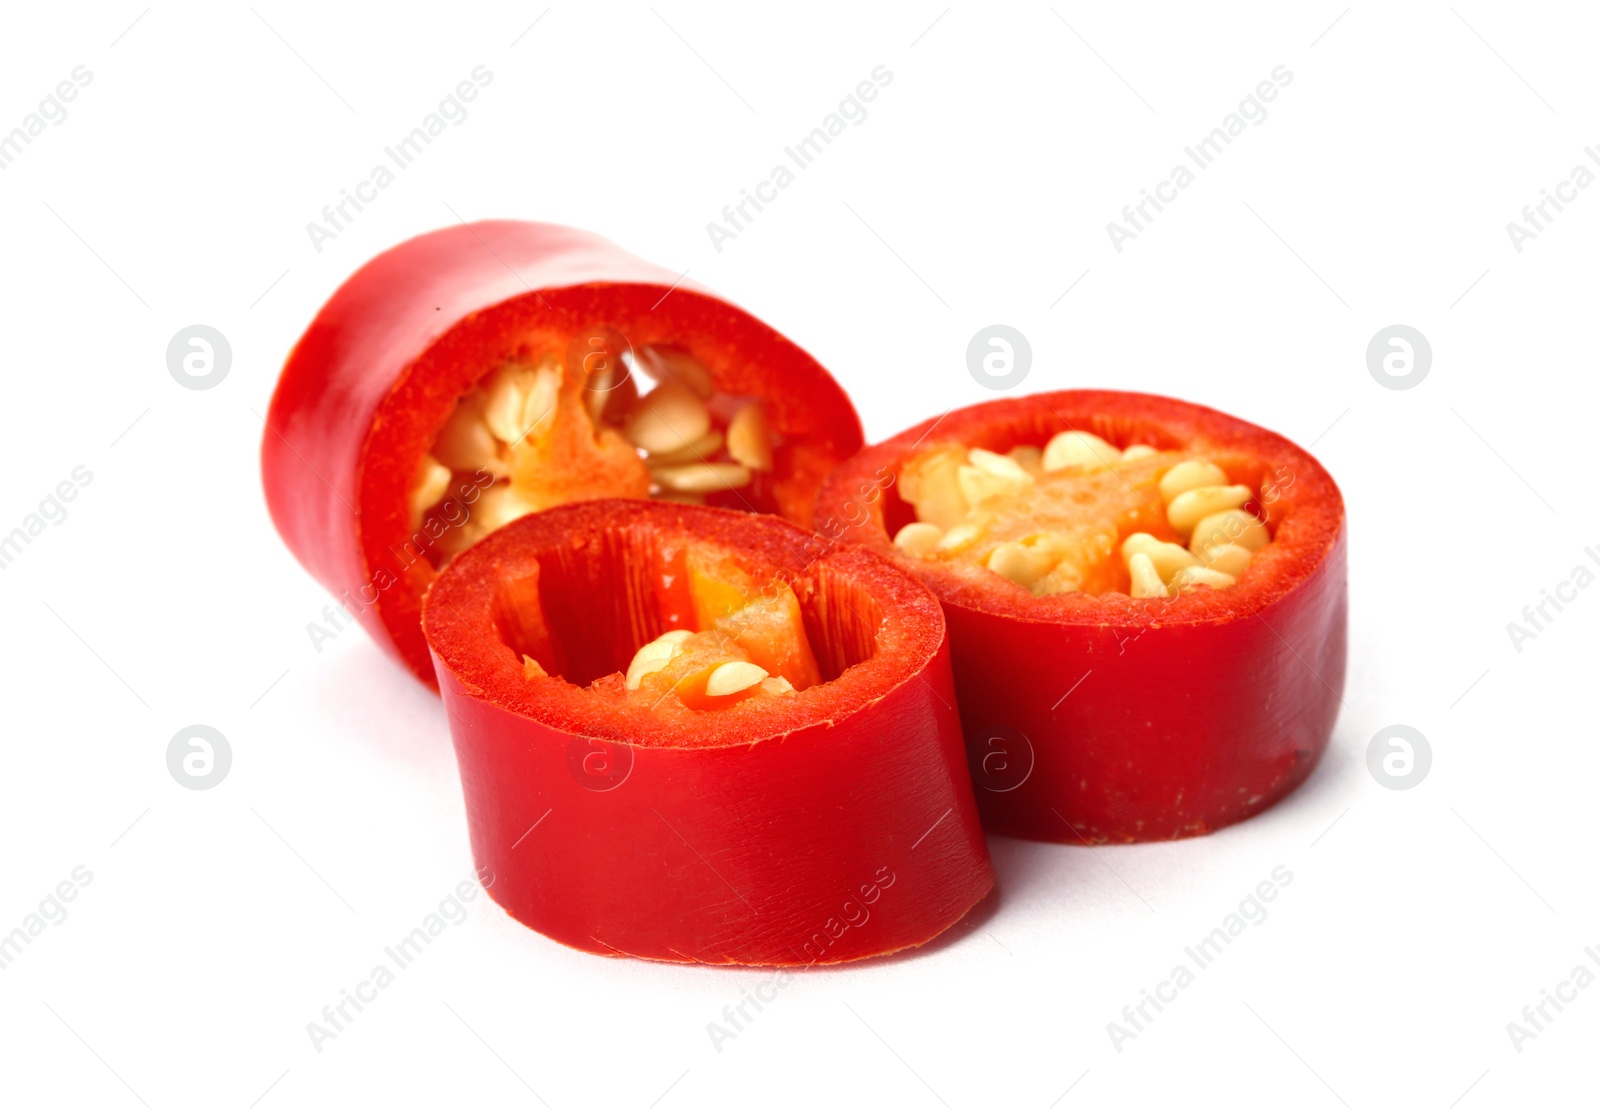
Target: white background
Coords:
[[1377, 191]]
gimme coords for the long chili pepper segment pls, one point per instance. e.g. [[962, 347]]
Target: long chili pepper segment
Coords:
[[690, 734], [486, 371], [1146, 601]]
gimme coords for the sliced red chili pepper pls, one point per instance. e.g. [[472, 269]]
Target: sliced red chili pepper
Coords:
[[486, 370], [822, 823], [1107, 697]]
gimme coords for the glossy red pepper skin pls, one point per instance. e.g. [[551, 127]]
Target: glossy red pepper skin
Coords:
[[1100, 718], [831, 825], [379, 370]]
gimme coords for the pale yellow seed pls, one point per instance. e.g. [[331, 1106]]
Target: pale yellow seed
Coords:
[[1145, 581], [465, 442], [433, 481], [642, 666], [667, 419], [654, 655], [999, 465], [918, 539], [666, 364], [1234, 527], [1189, 508], [1134, 453], [1229, 559], [750, 438], [539, 410], [1193, 577], [1031, 458], [496, 507], [1065, 578], [1080, 448], [599, 386], [977, 485], [777, 684], [960, 536], [730, 678], [1026, 561], [1190, 474], [698, 450], [674, 638], [715, 476], [505, 399], [929, 484], [1167, 557]]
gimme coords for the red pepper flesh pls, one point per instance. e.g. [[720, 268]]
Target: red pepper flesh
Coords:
[[831, 824], [1096, 718], [380, 369]]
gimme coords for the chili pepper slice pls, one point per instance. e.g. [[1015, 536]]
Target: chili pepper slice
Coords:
[[1146, 601], [480, 372], [622, 813]]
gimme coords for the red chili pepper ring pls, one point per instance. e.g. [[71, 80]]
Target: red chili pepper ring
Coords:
[[784, 786], [485, 371], [1146, 600]]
